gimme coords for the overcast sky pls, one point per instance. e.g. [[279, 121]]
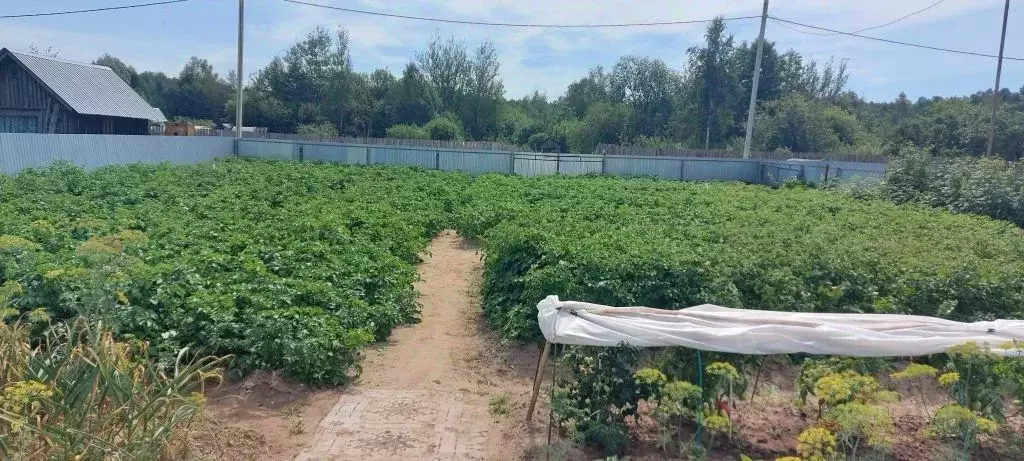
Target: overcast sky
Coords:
[[163, 37]]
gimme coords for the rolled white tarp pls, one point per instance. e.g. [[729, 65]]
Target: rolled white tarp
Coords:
[[721, 329]]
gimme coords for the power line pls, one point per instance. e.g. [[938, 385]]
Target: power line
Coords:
[[514, 24], [91, 10], [894, 42], [894, 21]]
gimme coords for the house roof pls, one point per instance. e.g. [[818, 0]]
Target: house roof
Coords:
[[86, 88]]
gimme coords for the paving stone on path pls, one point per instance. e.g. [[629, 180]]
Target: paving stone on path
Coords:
[[385, 424]]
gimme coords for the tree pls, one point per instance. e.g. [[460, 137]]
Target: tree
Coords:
[[589, 90], [447, 67], [485, 93], [800, 124], [126, 72], [604, 123], [200, 92], [647, 87], [711, 80], [417, 101], [158, 90], [827, 84], [384, 98], [313, 82]]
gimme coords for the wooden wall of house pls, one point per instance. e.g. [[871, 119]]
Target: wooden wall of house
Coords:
[[22, 94], [19, 89]]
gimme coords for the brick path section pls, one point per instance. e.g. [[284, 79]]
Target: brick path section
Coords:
[[402, 425]]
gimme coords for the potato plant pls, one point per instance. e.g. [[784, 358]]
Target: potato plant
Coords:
[[675, 244], [285, 265]]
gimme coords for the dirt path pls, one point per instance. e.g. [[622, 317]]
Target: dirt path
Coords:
[[426, 393]]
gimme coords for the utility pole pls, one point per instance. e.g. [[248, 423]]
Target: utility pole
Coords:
[[995, 91], [754, 80], [238, 72]]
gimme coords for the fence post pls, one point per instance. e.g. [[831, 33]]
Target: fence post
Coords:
[[558, 163], [604, 162], [827, 165], [301, 152], [512, 162], [682, 164], [369, 155], [437, 159]]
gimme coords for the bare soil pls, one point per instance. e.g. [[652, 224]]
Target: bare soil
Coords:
[[445, 388]]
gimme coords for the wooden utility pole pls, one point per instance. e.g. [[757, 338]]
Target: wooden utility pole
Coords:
[[753, 83], [995, 91], [238, 72]]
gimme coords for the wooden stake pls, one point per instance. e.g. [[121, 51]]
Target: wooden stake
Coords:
[[537, 379]]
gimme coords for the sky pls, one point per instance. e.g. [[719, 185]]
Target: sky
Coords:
[[162, 38]]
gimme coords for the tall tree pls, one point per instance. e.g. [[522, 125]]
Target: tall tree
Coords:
[[417, 101], [447, 66], [384, 92], [589, 90], [313, 82], [126, 72], [485, 93], [711, 79], [646, 86], [201, 93]]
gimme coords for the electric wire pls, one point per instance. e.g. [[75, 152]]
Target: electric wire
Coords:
[[90, 10], [515, 24]]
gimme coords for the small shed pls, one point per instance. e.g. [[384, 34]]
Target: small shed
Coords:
[[40, 94], [179, 129]]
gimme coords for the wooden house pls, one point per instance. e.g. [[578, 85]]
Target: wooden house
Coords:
[[40, 94]]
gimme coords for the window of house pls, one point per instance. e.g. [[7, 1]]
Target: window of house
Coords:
[[19, 124]]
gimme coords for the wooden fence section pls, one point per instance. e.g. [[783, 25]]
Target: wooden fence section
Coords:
[[602, 149], [428, 143], [615, 149]]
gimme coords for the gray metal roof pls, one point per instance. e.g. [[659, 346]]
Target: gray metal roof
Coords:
[[88, 89]]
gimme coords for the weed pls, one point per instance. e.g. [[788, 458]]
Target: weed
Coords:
[[77, 393], [498, 405], [292, 415]]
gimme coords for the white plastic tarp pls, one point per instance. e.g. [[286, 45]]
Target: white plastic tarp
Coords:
[[714, 328]]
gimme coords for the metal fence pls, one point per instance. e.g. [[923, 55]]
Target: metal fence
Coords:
[[471, 145], [21, 151], [616, 149], [476, 161]]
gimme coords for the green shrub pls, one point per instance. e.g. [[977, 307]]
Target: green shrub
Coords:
[[404, 131], [985, 186], [445, 128], [322, 129]]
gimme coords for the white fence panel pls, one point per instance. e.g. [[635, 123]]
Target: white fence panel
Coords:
[[577, 165], [534, 164], [19, 151], [721, 169], [661, 167], [268, 150], [476, 162], [416, 156]]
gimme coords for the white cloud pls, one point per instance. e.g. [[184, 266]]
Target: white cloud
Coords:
[[531, 58]]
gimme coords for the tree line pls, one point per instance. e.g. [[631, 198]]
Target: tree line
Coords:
[[452, 90]]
